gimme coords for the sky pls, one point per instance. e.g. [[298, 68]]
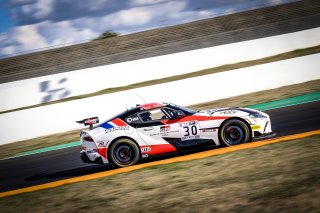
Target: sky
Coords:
[[33, 25]]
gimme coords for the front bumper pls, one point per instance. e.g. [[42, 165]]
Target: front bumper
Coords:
[[264, 136]]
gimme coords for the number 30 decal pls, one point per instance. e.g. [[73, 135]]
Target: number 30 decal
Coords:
[[193, 129]]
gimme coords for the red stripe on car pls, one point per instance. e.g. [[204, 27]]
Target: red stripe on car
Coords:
[[151, 106], [194, 118], [119, 122], [102, 151], [159, 149]]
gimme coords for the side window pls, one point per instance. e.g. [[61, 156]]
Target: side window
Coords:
[[172, 113], [152, 115]]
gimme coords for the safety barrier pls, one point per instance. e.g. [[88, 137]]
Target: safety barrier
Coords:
[[30, 123]]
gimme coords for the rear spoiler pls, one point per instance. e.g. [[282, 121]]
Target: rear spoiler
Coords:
[[89, 121]]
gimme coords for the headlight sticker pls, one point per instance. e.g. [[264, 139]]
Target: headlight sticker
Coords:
[[255, 127]]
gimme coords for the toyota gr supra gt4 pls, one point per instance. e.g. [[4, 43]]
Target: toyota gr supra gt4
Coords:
[[159, 128]]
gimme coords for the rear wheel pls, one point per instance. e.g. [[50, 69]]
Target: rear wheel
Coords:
[[234, 132], [124, 152]]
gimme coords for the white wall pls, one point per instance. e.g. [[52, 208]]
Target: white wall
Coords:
[[57, 118], [27, 92]]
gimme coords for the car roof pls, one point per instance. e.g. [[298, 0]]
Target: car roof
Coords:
[[139, 108], [151, 105]]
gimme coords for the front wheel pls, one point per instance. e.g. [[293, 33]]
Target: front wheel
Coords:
[[234, 132], [124, 152]]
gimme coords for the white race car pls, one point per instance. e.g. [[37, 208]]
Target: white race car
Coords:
[[158, 128]]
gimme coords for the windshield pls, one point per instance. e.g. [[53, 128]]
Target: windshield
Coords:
[[184, 109]]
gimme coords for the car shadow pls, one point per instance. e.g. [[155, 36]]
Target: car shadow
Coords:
[[80, 171], [93, 168]]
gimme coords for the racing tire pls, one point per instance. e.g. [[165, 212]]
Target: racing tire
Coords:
[[124, 152], [234, 132]]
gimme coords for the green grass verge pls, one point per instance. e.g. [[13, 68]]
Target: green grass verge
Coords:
[[12, 149], [282, 177], [262, 96], [279, 57]]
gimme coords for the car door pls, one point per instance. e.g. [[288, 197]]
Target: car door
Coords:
[[190, 132], [153, 126], [167, 125], [187, 128]]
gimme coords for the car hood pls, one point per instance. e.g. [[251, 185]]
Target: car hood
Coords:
[[229, 111]]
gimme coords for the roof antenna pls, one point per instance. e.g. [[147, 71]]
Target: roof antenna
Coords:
[[141, 98]]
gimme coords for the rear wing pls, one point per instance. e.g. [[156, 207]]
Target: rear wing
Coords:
[[89, 121]]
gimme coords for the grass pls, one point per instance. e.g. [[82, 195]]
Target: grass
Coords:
[[8, 150], [263, 96], [279, 57], [282, 177]]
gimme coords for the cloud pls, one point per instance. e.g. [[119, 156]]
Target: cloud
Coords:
[[51, 33], [35, 11], [43, 23], [21, 39], [94, 5], [19, 2], [130, 17], [64, 32], [146, 14], [128, 20], [146, 2], [42, 35], [27, 12], [40, 9]]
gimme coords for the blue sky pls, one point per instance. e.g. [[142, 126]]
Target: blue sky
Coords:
[[5, 20], [31, 25]]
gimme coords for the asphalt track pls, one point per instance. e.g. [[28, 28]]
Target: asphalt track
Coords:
[[61, 164]]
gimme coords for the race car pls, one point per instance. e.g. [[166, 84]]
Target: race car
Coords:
[[158, 128]]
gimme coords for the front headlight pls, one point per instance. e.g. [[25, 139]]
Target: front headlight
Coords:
[[257, 115]]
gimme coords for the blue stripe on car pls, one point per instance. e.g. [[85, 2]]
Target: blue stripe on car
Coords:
[[106, 125]]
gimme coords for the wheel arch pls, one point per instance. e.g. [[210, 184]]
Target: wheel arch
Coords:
[[122, 137], [237, 118]]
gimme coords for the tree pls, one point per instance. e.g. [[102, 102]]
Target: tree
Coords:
[[107, 34]]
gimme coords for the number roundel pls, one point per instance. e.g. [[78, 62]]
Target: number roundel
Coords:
[[194, 130]]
